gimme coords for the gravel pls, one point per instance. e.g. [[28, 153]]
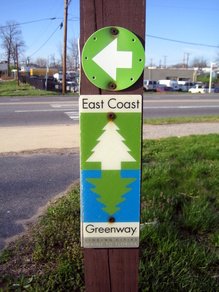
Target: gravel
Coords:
[[179, 130]]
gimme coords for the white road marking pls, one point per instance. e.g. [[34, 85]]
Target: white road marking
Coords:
[[40, 110], [64, 105], [181, 106], [72, 113]]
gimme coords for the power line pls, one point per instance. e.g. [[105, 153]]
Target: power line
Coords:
[[60, 26], [74, 18], [28, 22], [183, 7], [182, 42]]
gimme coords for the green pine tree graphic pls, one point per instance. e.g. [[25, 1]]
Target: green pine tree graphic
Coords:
[[111, 188]]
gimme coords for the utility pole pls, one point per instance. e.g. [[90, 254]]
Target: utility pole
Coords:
[[165, 61], [183, 60], [17, 64], [187, 59], [64, 48]]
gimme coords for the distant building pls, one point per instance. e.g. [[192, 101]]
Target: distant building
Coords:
[[153, 73], [3, 68]]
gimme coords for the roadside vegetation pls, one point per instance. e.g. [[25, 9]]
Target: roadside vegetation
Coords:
[[180, 187], [10, 88]]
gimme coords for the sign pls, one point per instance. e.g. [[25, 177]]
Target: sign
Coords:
[[113, 58], [110, 128]]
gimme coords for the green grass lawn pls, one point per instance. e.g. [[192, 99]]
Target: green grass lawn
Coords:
[[10, 88], [180, 188]]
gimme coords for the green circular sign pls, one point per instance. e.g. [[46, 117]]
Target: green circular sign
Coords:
[[113, 58]]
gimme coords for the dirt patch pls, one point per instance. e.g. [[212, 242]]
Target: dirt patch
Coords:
[[61, 151]]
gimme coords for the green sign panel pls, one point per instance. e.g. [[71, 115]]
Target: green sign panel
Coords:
[[113, 58], [110, 129]]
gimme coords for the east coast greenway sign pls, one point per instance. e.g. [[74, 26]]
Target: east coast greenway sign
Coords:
[[110, 129], [110, 141]]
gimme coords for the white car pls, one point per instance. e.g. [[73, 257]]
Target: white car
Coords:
[[198, 88]]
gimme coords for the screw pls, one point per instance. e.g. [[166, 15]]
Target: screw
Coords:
[[112, 86], [114, 31], [111, 219], [111, 116]]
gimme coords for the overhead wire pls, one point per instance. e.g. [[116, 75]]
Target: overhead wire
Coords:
[[182, 42], [60, 26], [44, 29], [28, 22]]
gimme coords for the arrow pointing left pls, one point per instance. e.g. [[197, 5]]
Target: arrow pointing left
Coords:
[[109, 59]]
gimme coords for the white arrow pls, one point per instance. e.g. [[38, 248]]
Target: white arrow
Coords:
[[109, 59]]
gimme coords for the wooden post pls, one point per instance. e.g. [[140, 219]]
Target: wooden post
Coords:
[[111, 269], [17, 65], [64, 48]]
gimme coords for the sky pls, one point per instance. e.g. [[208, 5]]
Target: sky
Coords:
[[173, 28]]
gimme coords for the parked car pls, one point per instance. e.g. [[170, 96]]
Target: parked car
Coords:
[[164, 88], [58, 77], [170, 83], [73, 86], [150, 85], [185, 86], [216, 89], [198, 88]]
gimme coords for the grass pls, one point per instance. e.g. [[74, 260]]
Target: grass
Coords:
[[10, 88], [180, 120], [180, 187]]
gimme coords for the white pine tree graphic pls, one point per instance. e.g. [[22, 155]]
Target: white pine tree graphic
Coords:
[[110, 150]]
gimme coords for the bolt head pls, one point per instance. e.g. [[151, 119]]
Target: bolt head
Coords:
[[111, 116], [112, 86], [111, 219], [114, 31]]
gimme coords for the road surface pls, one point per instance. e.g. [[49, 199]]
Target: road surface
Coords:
[[64, 110]]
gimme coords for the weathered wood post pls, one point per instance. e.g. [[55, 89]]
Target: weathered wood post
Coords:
[[112, 34]]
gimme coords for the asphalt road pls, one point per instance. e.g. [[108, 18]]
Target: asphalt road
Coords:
[[180, 105], [38, 111], [64, 110], [28, 182]]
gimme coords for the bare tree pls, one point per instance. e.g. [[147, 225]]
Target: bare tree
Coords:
[[41, 62], [73, 56], [199, 62], [179, 65], [11, 35], [52, 60], [60, 50], [20, 49]]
